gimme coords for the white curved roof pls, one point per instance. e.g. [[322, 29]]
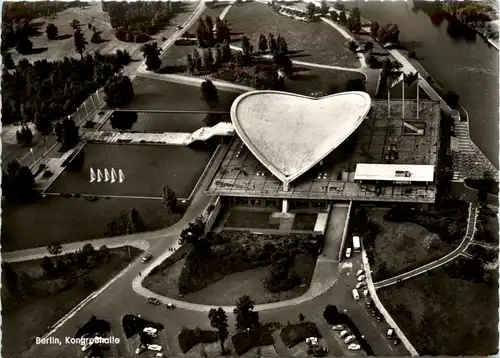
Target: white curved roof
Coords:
[[290, 133]]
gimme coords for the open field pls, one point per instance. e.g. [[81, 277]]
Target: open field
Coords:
[[401, 247], [93, 14], [441, 315], [146, 169], [313, 42], [47, 301], [157, 94], [56, 219]]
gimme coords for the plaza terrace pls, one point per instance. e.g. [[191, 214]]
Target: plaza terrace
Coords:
[[409, 145]]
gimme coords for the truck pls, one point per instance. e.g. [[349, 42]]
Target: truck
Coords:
[[356, 244]]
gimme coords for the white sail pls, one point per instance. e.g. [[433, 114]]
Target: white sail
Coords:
[[92, 175], [106, 175], [121, 176], [99, 175], [113, 175]]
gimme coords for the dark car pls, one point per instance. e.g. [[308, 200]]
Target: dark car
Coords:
[[379, 318], [374, 312], [369, 303], [170, 306], [154, 301], [396, 341]]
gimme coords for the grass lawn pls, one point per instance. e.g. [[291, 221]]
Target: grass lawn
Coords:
[[48, 300], [447, 316], [146, 169], [60, 220], [248, 219], [246, 278], [314, 42], [401, 247], [304, 221], [188, 338], [487, 225], [244, 341], [162, 95]]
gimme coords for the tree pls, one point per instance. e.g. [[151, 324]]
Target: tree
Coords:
[[245, 47], [119, 91], [451, 98], [145, 338], [54, 249], [7, 61], [134, 222], [197, 60], [80, 42], [193, 232], [42, 123], [374, 26], [18, 182], [311, 10], [95, 38], [75, 24], [217, 56], [10, 278], [246, 317], [324, 8], [169, 198], [66, 133], [355, 85], [262, 43], [89, 26], [123, 120], [273, 45], [205, 59], [388, 34], [282, 61], [24, 136], [332, 315], [282, 45], [342, 18], [190, 65], [24, 45], [52, 31], [301, 317], [209, 92], [218, 320], [335, 16], [48, 266], [226, 51], [151, 53], [104, 252]]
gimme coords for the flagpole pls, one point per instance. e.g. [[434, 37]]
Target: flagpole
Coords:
[[389, 97], [403, 83], [418, 91]]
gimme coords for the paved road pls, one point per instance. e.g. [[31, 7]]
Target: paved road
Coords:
[[469, 235]]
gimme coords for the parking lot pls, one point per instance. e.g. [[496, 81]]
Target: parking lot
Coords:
[[160, 340]]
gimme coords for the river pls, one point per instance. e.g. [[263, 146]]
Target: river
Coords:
[[469, 68]]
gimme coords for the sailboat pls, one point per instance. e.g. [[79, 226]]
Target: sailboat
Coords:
[[106, 175], [92, 175], [113, 175], [121, 176], [99, 175]]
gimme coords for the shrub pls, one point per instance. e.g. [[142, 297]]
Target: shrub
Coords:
[[243, 341], [297, 333]]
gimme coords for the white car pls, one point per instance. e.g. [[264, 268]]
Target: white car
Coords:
[[140, 349], [366, 293], [338, 327], [349, 339], [360, 285], [361, 278], [343, 334], [390, 333], [348, 252], [354, 347], [154, 347], [355, 294], [360, 272], [150, 331]]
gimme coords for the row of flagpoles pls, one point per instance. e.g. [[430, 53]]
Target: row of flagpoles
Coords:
[[405, 80]]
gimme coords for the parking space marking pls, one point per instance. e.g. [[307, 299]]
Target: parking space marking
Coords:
[[390, 347], [374, 325], [382, 335]]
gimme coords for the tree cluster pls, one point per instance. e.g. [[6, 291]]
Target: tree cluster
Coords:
[[210, 59], [151, 52], [386, 33], [24, 136], [129, 222], [52, 31], [17, 35], [18, 183], [246, 317], [119, 91], [354, 21], [209, 33], [169, 198], [138, 21], [66, 133], [123, 120], [282, 276], [44, 91]]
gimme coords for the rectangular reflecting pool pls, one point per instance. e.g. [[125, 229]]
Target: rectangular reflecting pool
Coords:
[[146, 168]]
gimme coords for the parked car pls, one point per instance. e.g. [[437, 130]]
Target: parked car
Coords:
[[140, 349], [348, 252], [339, 327], [146, 258], [366, 293], [353, 347], [349, 339], [344, 334], [390, 333], [360, 272], [360, 285], [154, 347], [179, 27], [369, 303], [361, 278], [374, 312], [170, 306], [355, 294], [154, 301], [151, 331], [379, 318]]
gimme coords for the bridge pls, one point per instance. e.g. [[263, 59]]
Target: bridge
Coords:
[[167, 111]]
